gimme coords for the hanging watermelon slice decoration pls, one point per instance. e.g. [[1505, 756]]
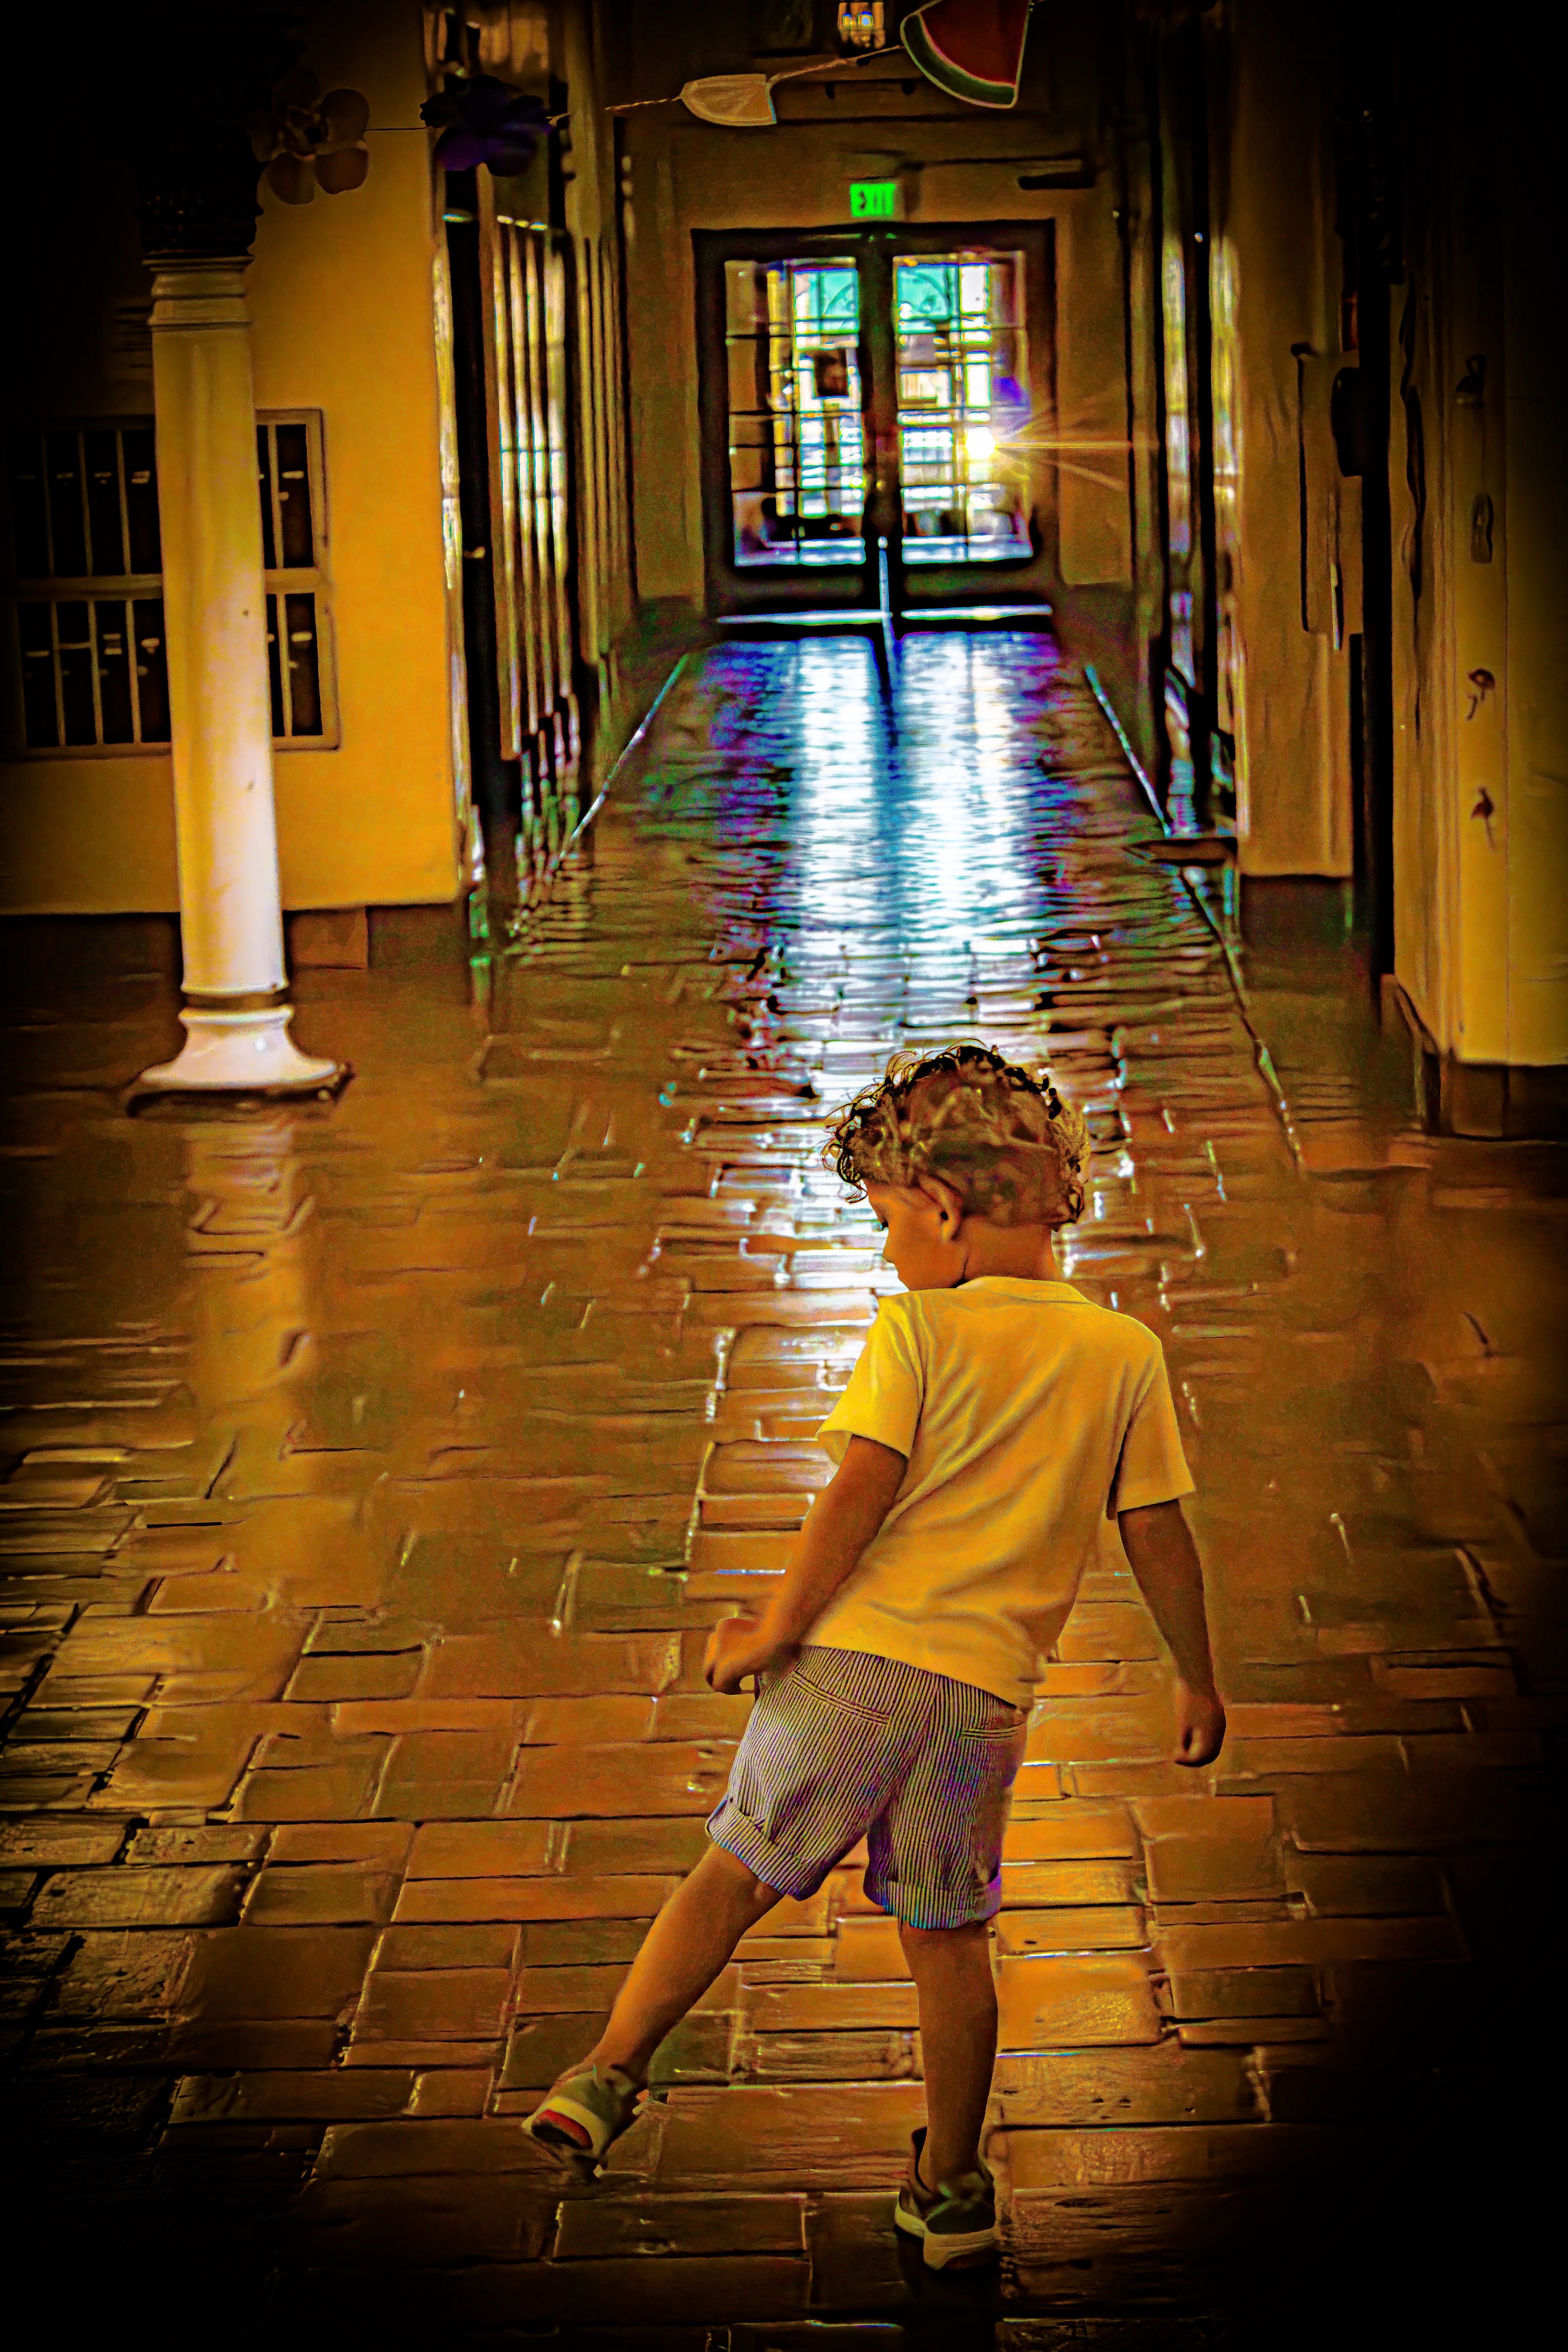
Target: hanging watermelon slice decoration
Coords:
[[973, 49]]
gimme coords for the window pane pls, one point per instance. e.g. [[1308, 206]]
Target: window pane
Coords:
[[294, 498], [76, 672], [152, 669], [113, 652], [796, 439], [264, 469], [304, 675], [962, 412], [65, 517], [275, 665], [142, 498], [101, 450], [38, 673], [29, 526]]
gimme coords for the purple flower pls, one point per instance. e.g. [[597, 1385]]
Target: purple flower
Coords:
[[481, 121]]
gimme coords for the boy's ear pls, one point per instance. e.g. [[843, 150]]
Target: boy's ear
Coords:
[[946, 1196]]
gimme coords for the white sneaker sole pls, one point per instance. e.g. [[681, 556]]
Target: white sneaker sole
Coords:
[[945, 2247], [541, 2126]]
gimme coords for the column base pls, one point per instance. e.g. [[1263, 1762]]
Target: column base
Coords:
[[241, 1053]]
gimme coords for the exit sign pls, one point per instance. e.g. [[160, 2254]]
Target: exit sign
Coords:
[[874, 199]]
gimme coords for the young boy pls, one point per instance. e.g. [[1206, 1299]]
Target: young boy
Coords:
[[994, 1420]]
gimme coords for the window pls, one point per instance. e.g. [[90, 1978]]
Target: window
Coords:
[[293, 509], [88, 588], [84, 520]]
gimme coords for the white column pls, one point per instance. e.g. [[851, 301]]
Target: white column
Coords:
[[236, 1013]]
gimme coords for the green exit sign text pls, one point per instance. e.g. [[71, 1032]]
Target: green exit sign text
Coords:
[[874, 199]]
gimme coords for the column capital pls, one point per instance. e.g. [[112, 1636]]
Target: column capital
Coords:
[[209, 291], [193, 77]]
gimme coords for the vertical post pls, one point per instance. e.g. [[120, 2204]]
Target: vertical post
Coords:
[[884, 520], [235, 1012], [192, 81]]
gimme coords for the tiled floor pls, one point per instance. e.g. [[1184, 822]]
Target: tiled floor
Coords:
[[374, 1470]]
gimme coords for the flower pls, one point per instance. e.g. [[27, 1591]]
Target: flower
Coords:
[[482, 120], [308, 141]]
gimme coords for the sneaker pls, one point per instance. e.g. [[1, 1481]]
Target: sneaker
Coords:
[[957, 2219], [584, 2114]]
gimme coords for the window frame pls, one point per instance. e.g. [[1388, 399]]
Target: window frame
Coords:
[[127, 588], [300, 579]]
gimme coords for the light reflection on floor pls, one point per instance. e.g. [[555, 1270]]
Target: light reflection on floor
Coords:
[[374, 1472]]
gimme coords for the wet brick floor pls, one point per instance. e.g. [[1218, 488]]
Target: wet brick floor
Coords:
[[372, 1473]]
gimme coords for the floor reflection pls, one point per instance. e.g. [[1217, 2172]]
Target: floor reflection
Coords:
[[372, 1473]]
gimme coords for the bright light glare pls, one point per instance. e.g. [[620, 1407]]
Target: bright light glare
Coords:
[[979, 443]]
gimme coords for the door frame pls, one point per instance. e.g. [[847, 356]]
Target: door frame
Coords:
[[856, 591]]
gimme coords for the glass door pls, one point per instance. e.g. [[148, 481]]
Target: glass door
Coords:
[[873, 406], [963, 407], [786, 374], [796, 436]]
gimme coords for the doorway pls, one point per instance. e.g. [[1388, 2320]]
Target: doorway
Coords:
[[876, 411]]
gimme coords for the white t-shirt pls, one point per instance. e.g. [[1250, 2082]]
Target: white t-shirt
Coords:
[[1028, 1416]]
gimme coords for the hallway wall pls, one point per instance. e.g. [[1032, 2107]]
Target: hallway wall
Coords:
[[686, 176], [1370, 164], [1274, 278], [342, 303], [591, 39], [1480, 503], [531, 352]]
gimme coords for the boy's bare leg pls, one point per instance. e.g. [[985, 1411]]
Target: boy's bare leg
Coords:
[[952, 1969], [692, 1938]]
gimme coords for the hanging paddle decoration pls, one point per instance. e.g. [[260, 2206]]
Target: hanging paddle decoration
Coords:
[[745, 102], [738, 101], [973, 49]]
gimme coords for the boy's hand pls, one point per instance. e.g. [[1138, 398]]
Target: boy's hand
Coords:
[[738, 1647], [1200, 1724]]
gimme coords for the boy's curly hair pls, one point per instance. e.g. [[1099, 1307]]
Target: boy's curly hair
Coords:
[[1003, 1138]]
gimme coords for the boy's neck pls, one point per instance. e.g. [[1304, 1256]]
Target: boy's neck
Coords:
[[1025, 1251]]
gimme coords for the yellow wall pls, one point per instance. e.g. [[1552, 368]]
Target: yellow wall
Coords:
[[341, 297], [1092, 499], [1535, 493], [341, 293], [1273, 281], [606, 592], [1481, 771], [687, 175], [88, 837], [1430, 944]]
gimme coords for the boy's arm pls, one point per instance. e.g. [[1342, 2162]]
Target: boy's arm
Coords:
[[1164, 1560], [839, 1526]]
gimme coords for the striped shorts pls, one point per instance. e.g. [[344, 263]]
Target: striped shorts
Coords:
[[843, 1745]]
